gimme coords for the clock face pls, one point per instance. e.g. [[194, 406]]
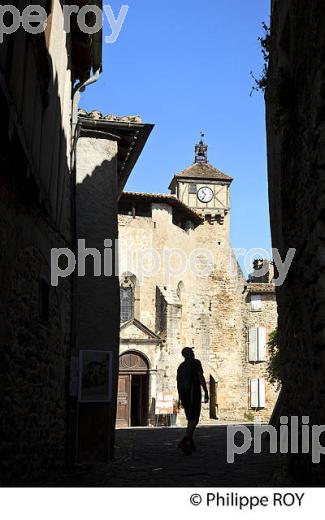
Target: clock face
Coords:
[[205, 194]]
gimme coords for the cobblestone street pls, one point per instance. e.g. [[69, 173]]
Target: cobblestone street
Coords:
[[150, 458]]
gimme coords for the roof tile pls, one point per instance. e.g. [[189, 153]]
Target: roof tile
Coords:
[[261, 288], [161, 197], [205, 170]]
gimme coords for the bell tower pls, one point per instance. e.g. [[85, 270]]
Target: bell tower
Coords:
[[201, 151], [203, 187]]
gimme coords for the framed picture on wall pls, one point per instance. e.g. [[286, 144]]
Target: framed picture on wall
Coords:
[[95, 376]]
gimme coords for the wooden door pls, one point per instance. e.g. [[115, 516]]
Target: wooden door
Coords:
[[123, 401]]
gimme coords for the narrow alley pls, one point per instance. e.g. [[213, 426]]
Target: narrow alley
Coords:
[[147, 457]]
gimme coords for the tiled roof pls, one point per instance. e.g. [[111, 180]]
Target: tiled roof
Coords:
[[204, 170], [129, 131], [98, 116], [261, 288], [168, 199]]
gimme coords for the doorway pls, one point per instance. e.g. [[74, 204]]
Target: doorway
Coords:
[[133, 391], [139, 400], [213, 398]]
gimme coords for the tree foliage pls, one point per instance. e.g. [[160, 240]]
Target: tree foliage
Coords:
[[265, 42], [275, 364]]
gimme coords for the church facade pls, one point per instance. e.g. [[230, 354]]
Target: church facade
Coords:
[[181, 286]]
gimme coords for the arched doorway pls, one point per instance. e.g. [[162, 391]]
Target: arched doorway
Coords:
[[133, 390]]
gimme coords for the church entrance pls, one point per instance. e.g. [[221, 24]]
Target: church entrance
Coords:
[[133, 391]]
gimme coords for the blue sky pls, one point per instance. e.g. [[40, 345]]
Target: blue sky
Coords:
[[185, 66]]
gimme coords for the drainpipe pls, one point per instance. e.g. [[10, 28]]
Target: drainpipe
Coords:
[[80, 87], [72, 399]]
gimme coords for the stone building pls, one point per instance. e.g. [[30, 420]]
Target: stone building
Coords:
[[38, 75], [295, 99], [107, 149], [182, 286]]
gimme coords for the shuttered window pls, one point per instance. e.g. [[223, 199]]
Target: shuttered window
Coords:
[[257, 344], [256, 302], [257, 393]]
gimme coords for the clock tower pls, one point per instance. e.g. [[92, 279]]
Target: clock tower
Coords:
[[203, 187]]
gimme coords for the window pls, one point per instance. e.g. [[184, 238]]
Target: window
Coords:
[[180, 290], [126, 304], [257, 393], [129, 297], [135, 208], [256, 302], [192, 189], [257, 344]]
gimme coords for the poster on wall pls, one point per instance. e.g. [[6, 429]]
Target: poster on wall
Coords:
[[95, 376], [164, 404]]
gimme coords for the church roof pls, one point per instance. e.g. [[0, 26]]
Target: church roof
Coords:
[[172, 200], [203, 171]]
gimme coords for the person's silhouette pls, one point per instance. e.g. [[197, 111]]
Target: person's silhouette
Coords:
[[190, 378]]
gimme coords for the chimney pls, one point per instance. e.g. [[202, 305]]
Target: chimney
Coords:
[[263, 271]]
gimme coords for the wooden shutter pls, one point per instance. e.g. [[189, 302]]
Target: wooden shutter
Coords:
[[254, 393], [257, 391], [123, 401], [252, 347], [261, 342], [261, 393]]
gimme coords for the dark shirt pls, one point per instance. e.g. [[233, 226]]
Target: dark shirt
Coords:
[[188, 377]]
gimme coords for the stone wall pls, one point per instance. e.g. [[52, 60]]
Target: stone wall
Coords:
[[295, 101], [35, 216], [98, 300], [266, 317], [34, 350], [205, 306]]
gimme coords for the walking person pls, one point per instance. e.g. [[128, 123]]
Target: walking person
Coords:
[[190, 379]]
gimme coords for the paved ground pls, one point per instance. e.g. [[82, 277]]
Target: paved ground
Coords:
[[150, 458]]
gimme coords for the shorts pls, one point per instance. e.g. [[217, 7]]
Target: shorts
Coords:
[[192, 406]]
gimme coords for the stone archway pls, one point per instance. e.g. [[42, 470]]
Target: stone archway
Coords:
[[133, 390]]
